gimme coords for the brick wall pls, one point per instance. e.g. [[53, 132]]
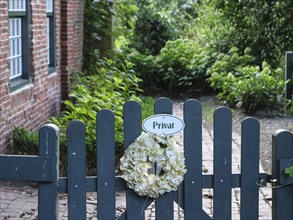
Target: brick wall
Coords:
[[33, 104], [71, 41]]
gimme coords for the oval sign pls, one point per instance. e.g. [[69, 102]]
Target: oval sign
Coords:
[[163, 124]]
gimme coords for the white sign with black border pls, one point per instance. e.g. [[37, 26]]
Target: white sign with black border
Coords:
[[163, 124]]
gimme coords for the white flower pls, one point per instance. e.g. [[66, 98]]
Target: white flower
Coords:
[[153, 165]]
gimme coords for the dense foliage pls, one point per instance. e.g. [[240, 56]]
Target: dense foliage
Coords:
[[239, 84], [97, 28], [183, 64], [109, 87], [151, 32], [265, 26], [24, 142], [205, 53]]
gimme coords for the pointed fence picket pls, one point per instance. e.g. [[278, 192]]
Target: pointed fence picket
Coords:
[[45, 168]]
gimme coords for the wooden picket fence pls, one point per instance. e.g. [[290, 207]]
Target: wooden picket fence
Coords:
[[45, 168]]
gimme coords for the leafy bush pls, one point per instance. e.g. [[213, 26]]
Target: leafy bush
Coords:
[[109, 87], [151, 31], [173, 61], [227, 63], [97, 29], [263, 25], [147, 69], [289, 106], [247, 86], [198, 67], [24, 142], [180, 66], [184, 63]]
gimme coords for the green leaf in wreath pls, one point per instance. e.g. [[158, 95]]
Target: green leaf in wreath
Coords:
[[289, 171]]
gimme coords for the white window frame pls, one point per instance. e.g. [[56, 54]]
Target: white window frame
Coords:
[[49, 6], [15, 48], [16, 37], [19, 51], [17, 5]]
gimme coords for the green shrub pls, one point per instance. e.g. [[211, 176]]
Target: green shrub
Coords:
[[24, 142], [228, 63], [151, 31], [173, 60], [180, 66], [247, 86], [109, 87], [147, 69], [289, 106], [184, 63], [198, 67], [97, 28]]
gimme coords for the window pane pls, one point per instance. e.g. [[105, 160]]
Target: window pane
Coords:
[[49, 5], [15, 45], [17, 5]]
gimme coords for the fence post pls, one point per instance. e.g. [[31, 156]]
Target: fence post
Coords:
[[48, 192], [282, 196], [289, 74]]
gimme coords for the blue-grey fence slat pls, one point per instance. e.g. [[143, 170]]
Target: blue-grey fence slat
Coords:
[[135, 204], [282, 196], [193, 160], [48, 192], [106, 165], [222, 163], [164, 204], [250, 131], [76, 170]]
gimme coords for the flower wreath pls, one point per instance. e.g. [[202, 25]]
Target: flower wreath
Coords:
[[153, 165]]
